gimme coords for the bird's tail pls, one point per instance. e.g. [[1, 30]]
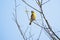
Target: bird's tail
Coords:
[[30, 22]]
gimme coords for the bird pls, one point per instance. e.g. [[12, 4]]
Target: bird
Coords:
[[33, 17]]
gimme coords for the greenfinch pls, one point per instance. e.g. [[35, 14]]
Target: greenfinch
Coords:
[[33, 17]]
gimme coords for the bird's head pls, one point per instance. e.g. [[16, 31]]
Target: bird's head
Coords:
[[32, 11]]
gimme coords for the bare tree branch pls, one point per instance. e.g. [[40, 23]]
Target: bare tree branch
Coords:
[[20, 30], [41, 12], [50, 27], [47, 22], [15, 16]]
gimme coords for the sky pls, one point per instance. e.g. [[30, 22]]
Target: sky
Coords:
[[9, 29]]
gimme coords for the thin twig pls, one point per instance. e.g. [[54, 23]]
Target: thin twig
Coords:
[[45, 2], [15, 10], [26, 30], [39, 34], [20, 30], [27, 12], [40, 26], [38, 2], [17, 5], [30, 6], [30, 33], [30, 36]]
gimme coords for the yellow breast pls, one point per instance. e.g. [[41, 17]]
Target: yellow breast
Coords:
[[34, 16]]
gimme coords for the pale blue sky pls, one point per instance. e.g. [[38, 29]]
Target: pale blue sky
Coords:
[[8, 28]]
